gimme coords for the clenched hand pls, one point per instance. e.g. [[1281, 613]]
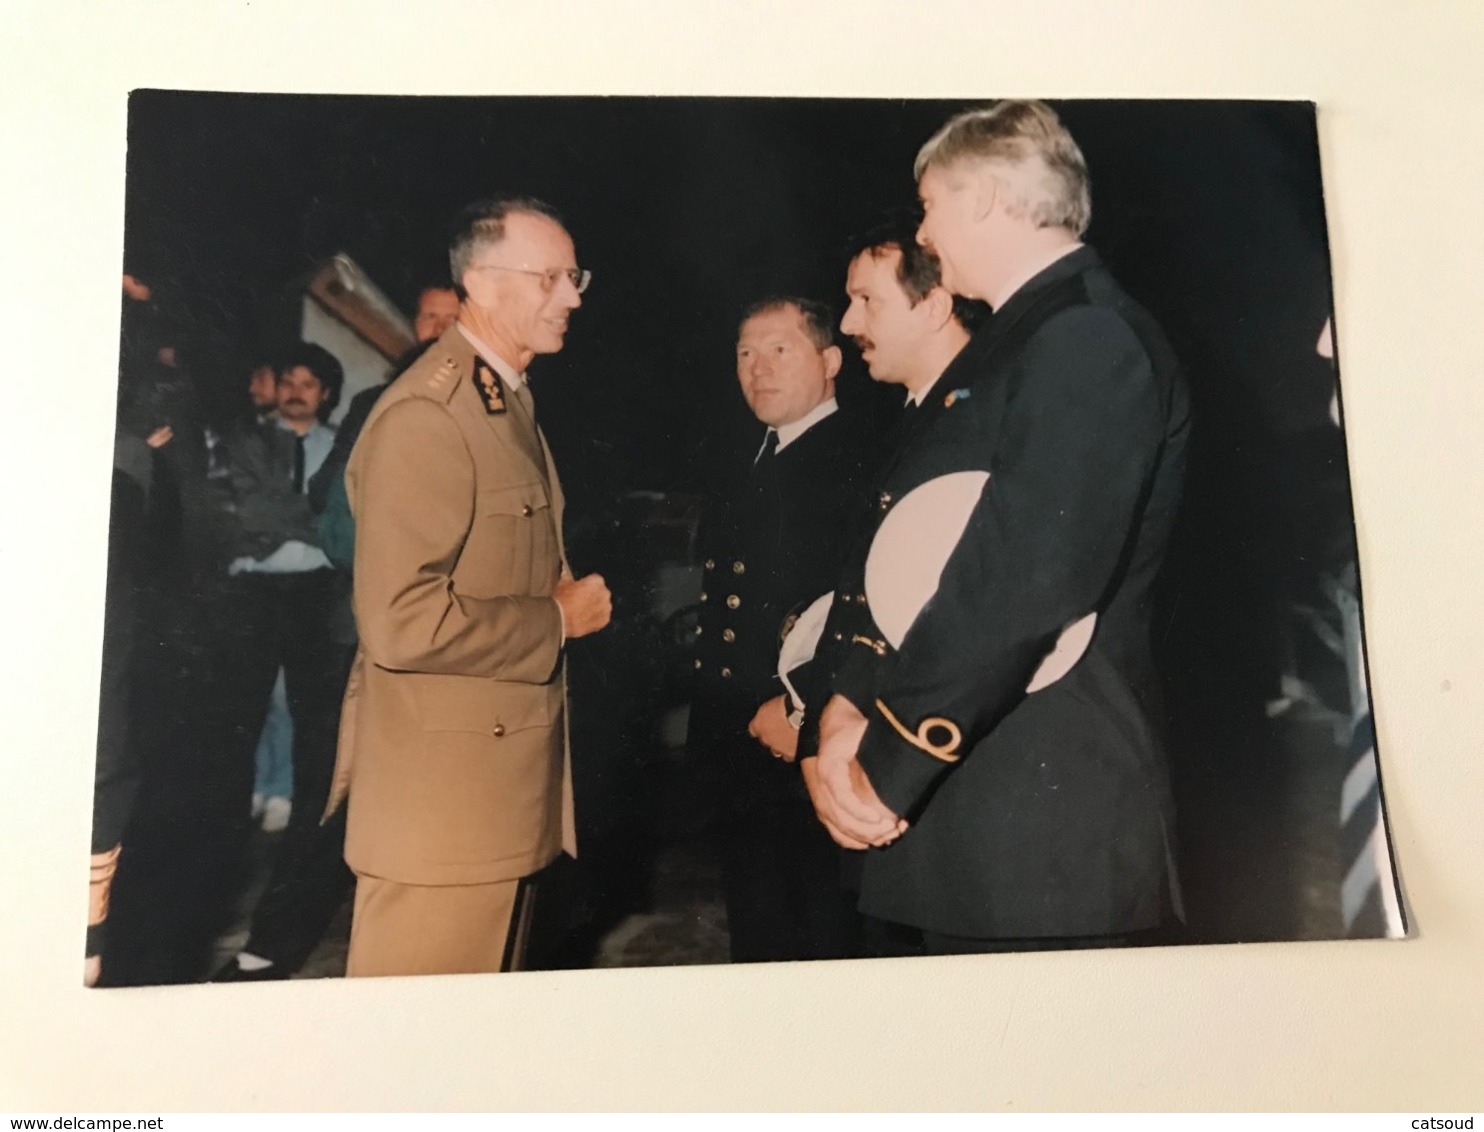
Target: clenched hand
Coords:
[[587, 606]]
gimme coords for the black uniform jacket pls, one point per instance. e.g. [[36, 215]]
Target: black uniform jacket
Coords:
[[1051, 814], [770, 544]]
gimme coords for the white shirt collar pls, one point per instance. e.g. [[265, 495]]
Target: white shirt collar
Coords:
[[788, 433], [501, 366], [922, 394], [308, 432]]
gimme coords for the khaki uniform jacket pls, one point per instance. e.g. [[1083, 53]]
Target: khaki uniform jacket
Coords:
[[453, 743]]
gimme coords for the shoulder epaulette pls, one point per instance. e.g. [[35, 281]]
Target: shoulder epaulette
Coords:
[[440, 379]]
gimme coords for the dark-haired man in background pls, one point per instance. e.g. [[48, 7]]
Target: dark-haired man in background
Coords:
[[288, 600]]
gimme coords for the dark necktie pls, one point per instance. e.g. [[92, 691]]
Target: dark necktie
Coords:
[[901, 428], [299, 464], [770, 449]]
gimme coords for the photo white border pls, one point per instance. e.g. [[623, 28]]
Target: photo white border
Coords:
[[1373, 1025]]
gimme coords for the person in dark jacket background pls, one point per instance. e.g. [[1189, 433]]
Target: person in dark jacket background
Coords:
[[290, 601], [437, 310]]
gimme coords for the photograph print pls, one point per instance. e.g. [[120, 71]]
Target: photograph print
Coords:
[[555, 533]]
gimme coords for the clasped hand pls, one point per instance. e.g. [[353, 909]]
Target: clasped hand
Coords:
[[771, 728], [844, 799]]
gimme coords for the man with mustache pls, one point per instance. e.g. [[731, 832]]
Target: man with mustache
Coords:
[[286, 603], [906, 324], [454, 754], [909, 330]]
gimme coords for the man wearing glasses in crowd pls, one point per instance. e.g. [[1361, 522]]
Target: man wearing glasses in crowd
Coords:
[[454, 748]]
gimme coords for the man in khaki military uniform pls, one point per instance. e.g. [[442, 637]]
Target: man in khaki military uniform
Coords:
[[453, 745]]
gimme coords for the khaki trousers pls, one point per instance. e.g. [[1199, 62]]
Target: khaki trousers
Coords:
[[410, 929]]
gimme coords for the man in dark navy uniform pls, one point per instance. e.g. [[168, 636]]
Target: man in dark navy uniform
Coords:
[[771, 543], [989, 816]]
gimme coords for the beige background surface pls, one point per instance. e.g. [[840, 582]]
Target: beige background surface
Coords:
[[1359, 1025]]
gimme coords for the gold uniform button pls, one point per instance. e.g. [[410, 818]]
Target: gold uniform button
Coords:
[[499, 730], [711, 564], [703, 595], [845, 597], [860, 599], [698, 662], [700, 629], [726, 673], [733, 601], [839, 636], [728, 636], [885, 500], [739, 568], [526, 510]]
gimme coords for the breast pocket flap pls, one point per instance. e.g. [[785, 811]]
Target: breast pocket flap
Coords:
[[521, 500], [496, 709]]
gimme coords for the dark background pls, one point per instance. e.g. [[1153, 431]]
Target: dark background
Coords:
[[687, 209], [1210, 213]]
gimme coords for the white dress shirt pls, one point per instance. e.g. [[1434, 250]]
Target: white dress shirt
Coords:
[[788, 433]]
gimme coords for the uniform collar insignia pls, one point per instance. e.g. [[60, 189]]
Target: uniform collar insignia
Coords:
[[955, 396], [487, 383]]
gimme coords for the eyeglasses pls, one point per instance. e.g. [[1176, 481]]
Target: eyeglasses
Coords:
[[579, 277]]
